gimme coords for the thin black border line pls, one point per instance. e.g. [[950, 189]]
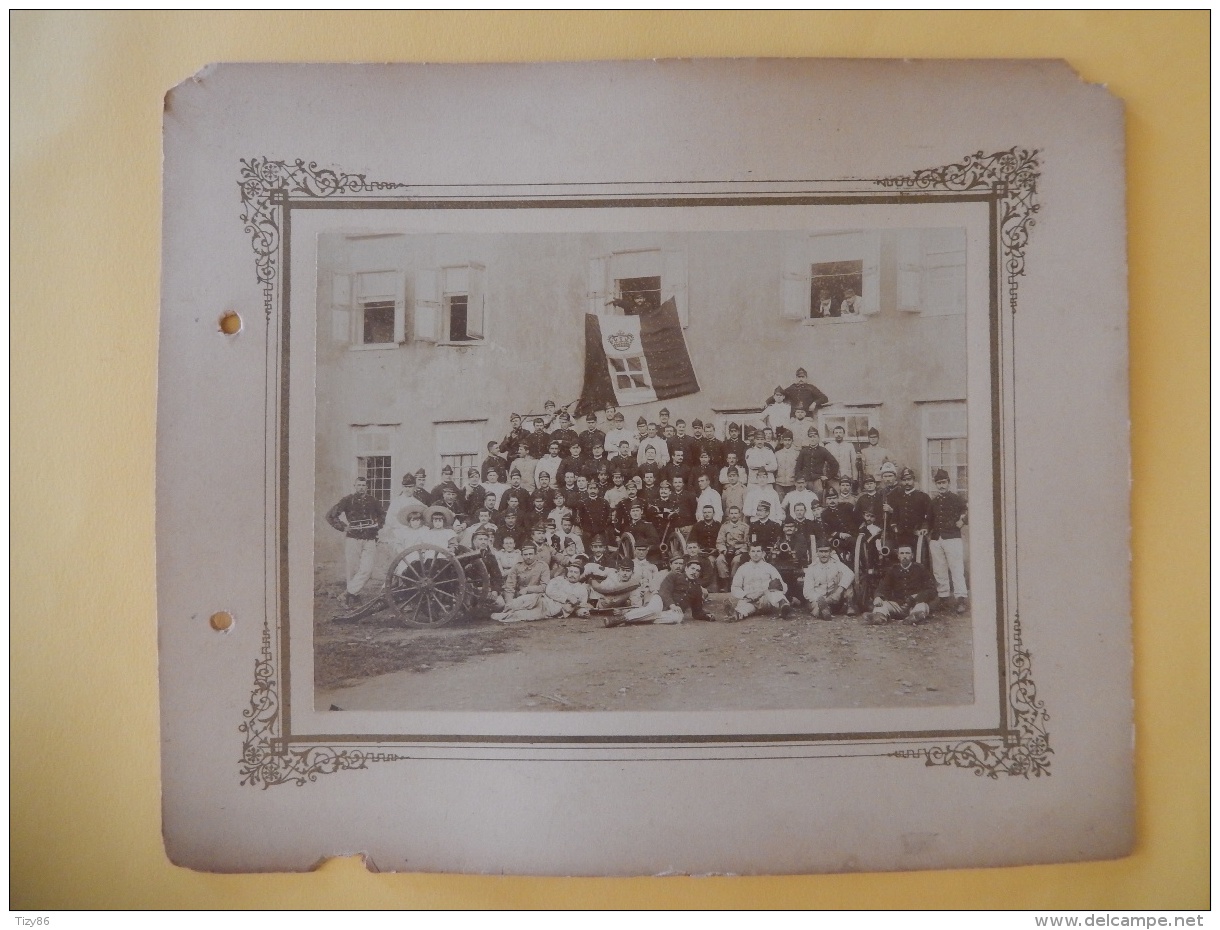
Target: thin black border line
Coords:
[[863, 737], [808, 200], [287, 204]]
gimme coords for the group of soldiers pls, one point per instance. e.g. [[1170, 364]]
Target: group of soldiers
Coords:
[[652, 520]]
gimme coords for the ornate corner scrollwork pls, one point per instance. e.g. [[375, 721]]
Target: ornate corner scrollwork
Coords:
[[1024, 749], [265, 186], [266, 759], [1013, 175]]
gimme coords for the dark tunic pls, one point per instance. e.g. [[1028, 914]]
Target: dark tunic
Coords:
[[907, 586], [947, 509], [912, 512], [706, 535], [679, 591], [589, 440], [814, 462], [498, 462], [362, 515]]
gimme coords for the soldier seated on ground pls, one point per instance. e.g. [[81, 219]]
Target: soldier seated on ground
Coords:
[[679, 593], [827, 582], [906, 592], [758, 587]]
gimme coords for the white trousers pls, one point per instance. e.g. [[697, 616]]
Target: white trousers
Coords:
[[764, 603], [654, 610], [360, 556], [948, 566]]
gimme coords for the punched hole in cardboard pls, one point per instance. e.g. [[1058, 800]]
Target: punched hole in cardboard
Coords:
[[230, 323], [221, 621]]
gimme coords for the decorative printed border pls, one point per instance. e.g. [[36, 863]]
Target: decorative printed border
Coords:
[[1011, 179]]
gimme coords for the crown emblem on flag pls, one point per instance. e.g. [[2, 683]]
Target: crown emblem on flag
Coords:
[[621, 340]]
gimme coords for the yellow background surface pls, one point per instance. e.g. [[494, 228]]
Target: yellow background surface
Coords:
[[86, 162]]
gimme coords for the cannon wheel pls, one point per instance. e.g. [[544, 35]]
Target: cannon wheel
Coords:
[[478, 582], [866, 574], [426, 586]]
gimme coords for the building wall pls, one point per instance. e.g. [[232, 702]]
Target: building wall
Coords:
[[537, 289]]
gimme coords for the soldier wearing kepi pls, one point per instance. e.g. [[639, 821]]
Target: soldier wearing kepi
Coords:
[[803, 394], [948, 564], [359, 516], [906, 591], [910, 511], [827, 582]]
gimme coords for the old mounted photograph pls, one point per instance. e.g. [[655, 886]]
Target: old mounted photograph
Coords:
[[521, 436], [706, 498]]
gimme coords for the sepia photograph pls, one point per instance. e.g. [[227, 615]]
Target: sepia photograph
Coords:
[[642, 471]]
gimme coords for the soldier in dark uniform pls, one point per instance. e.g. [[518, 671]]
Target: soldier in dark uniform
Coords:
[[838, 523], [790, 557], [681, 440], [515, 492], [625, 461], [906, 592], [687, 499], [493, 460], [710, 444], [678, 467], [451, 498], [473, 494], [910, 511], [446, 482], [509, 524], [763, 531], [734, 443], [359, 517], [516, 436], [593, 515], [665, 512], [705, 467], [592, 438], [573, 462], [868, 504], [802, 393], [564, 432], [538, 440], [816, 463], [645, 536]]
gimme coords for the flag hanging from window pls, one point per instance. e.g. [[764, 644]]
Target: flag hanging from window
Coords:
[[635, 359]]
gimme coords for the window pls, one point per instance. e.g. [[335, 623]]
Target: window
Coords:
[[374, 462], [932, 271], [831, 277], [368, 308], [623, 281], [450, 305], [855, 420], [944, 430], [458, 445], [835, 289]]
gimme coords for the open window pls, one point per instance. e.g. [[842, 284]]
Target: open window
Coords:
[[632, 282], [450, 305], [369, 308], [833, 277]]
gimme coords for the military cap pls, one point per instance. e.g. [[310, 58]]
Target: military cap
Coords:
[[941, 475]]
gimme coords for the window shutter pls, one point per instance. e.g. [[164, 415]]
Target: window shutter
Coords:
[[427, 306], [910, 271], [475, 305], [796, 282], [400, 308], [596, 294], [870, 296], [673, 282], [341, 308]]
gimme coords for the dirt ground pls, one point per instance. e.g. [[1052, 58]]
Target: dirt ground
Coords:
[[761, 663]]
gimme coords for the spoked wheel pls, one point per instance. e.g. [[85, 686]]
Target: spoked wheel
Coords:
[[866, 568], [426, 586], [478, 583]]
